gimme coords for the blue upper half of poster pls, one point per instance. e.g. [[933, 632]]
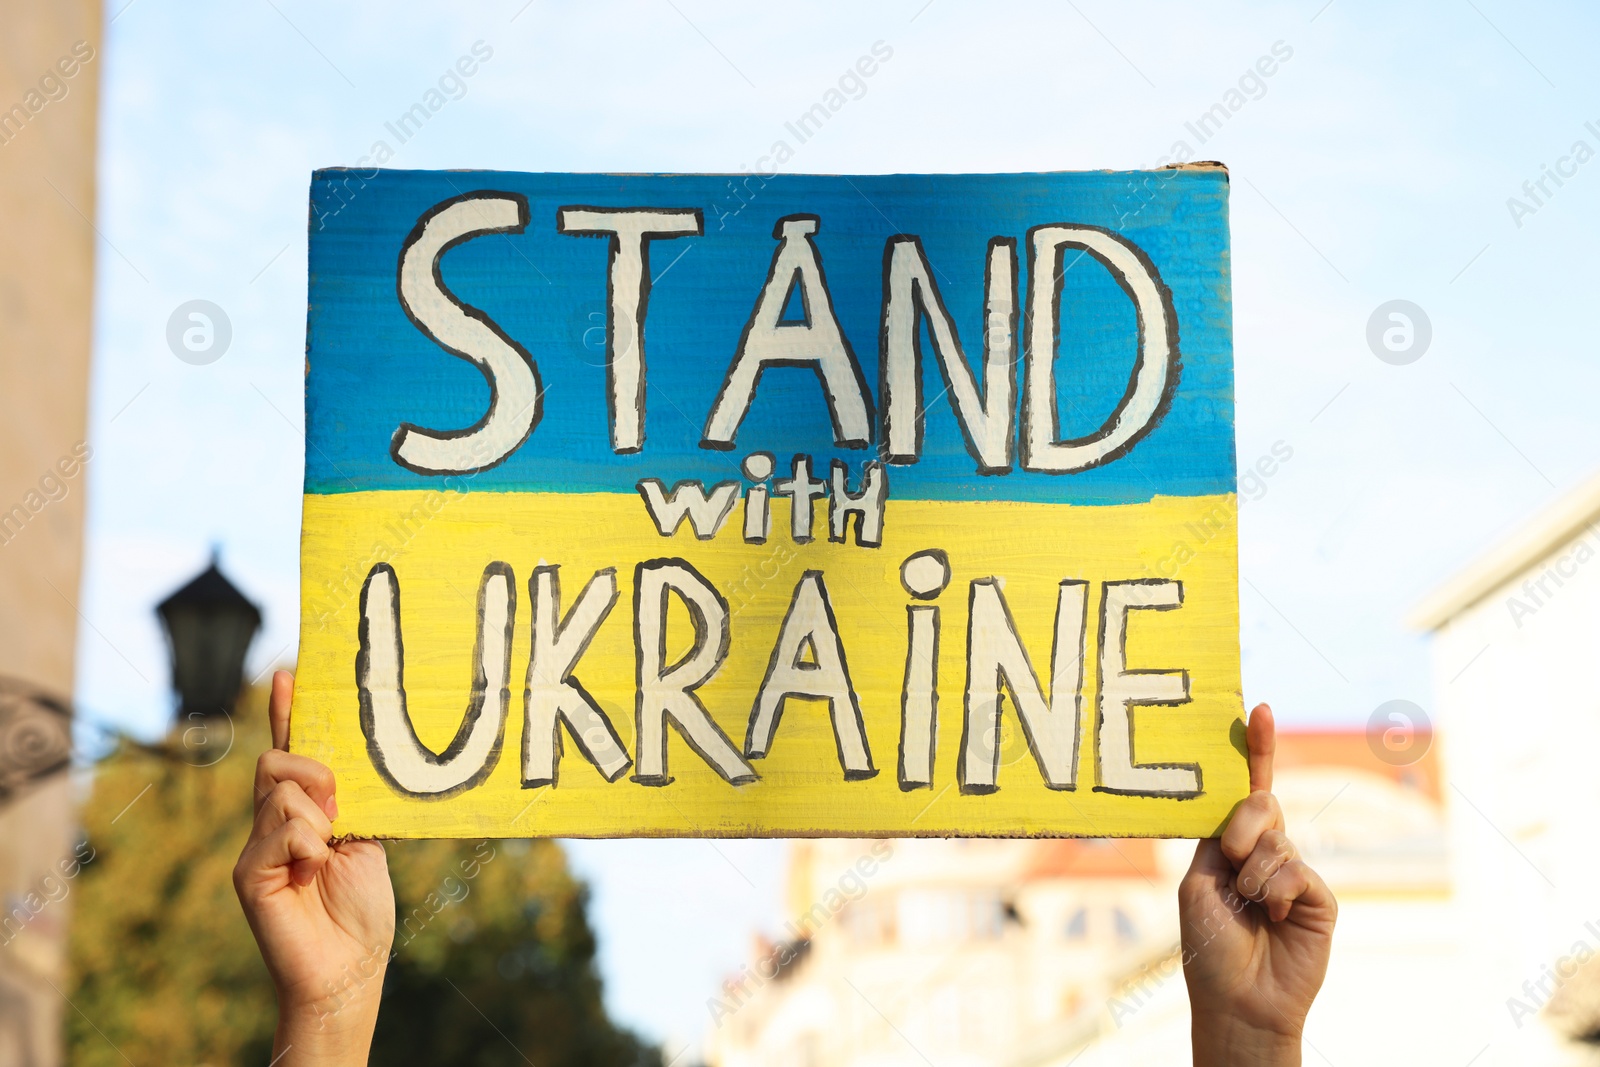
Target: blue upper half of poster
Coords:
[[372, 369]]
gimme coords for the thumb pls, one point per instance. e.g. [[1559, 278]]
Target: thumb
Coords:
[[1262, 738], [278, 708], [1209, 859]]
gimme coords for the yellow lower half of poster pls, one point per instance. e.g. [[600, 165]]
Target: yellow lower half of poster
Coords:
[[1031, 562]]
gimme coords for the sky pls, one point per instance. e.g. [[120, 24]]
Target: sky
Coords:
[[1377, 163]]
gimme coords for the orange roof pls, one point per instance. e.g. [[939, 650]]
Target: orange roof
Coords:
[[1297, 750], [1093, 857], [1350, 748]]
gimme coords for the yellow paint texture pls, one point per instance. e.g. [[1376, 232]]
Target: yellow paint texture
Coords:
[[438, 544]]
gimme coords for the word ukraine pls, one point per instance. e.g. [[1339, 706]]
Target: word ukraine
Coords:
[[975, 654]]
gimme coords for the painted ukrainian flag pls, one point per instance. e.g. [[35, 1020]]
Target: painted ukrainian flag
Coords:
[[771, 505]]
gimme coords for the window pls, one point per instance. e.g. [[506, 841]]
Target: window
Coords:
[[942, 916], [986, 915], [1078, 925], [869, 922]]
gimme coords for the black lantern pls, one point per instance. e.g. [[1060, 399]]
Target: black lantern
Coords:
[[209, 626]]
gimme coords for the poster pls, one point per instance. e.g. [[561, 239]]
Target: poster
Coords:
[[744, 505]]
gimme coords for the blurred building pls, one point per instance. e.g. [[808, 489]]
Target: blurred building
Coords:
[[1044, 953], [965, 946], [1469, 928], [49, 82], [1515, 640]]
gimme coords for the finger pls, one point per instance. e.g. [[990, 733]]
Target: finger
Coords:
[[278, 708], [1204, 883], [1261, 736], [1255, 815], [315, 778], [286, 803], [293, 848], [1296, 888], [1209, 860], [1271, 854]]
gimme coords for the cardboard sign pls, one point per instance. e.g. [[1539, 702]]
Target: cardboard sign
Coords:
[[792, 505]]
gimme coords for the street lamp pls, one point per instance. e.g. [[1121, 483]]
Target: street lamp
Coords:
[[209, 626]]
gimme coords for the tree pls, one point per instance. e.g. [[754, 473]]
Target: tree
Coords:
[[493, 959]]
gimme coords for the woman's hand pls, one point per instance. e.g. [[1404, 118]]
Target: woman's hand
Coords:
[[323, 915], [1257, 929]]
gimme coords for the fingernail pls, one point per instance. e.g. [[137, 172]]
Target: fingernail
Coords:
[[331, 806]]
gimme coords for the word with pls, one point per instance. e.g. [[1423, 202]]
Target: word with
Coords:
[[53, 86], [1252, 486], [808, 661], [54, 485], [851, 886], [708, 512], [1551, 978], [1579, 154], [406, 126], [1558, 570], [987, 415], [452, 890], [1252, 82], [21, 911], [810, 121]]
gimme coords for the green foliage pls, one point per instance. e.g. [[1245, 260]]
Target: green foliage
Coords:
[[493, 961]]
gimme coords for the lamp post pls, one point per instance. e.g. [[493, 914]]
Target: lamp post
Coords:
[[209, 626]]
